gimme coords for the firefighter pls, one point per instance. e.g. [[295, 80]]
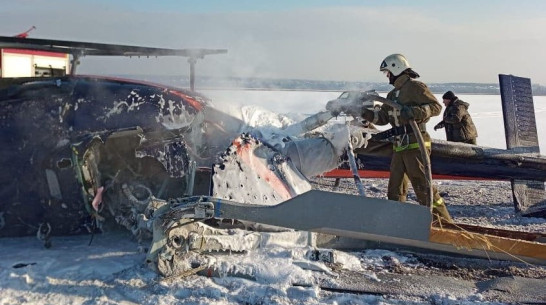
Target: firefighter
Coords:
[[418, 104], [457, 121]]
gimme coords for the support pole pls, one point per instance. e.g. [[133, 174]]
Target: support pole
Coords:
[[354, 168], [192, 61], [74, 63]]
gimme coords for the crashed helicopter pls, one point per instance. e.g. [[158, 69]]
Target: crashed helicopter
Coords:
[[65, 136], [82, 151]]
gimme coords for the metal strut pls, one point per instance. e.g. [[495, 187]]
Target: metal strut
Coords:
[[354, 168]]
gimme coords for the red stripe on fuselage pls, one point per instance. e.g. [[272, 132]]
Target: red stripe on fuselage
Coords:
[[345, 173], [33, 52]]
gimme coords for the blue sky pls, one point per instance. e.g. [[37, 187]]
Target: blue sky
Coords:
[[455, 41], [234, 6], [442, 7]]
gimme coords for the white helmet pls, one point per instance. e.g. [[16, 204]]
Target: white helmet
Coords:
[[395, 63]]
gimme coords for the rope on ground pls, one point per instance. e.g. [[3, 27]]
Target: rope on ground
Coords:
[[464, 240]]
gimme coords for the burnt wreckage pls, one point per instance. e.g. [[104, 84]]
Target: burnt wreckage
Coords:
[[70, 139], [84, 152]]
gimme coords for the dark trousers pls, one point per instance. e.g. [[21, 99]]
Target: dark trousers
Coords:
[[408, 165]]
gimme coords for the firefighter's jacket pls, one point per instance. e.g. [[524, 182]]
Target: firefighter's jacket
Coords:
[[415, 94], [458, 123]]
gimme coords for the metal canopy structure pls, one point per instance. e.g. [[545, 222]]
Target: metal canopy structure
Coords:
[[79, 49]]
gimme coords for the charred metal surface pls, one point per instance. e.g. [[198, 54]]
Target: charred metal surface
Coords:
[[121, 132], [521, 136], [460, 159], [173, 156], [519, 114], [529, 197]]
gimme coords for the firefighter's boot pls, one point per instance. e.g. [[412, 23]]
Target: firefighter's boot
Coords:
[[440, 212]]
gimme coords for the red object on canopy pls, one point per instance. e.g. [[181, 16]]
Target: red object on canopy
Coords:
[[25, 34]]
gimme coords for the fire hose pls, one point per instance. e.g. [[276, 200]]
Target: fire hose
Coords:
[[422, 147], [321, 118]]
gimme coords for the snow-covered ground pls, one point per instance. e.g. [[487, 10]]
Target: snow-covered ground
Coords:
[[111, 271]]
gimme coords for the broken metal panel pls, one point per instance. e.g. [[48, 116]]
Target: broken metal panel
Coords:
[[519, 114], [121, 158], [125, 181], [521, 137], [529, 197], [337, 214], [172, 155], [250, 171]]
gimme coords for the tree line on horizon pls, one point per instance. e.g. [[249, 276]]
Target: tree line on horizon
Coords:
[[207, 82]]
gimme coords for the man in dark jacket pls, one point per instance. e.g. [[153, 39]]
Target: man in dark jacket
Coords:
[[419, 104], [457, 121]]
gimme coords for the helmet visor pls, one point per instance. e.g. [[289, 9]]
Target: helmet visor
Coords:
[[383, 66]]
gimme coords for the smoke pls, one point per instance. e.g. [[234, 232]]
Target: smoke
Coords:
[[283, 102]]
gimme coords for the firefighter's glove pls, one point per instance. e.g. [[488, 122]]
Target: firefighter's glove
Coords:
[[439, 125], [406, 114]]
